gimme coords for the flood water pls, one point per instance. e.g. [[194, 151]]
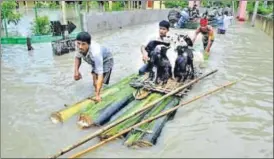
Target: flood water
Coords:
[[24, 26], [235, 122]]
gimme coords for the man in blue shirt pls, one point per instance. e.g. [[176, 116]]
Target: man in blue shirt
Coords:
[[184, 18]]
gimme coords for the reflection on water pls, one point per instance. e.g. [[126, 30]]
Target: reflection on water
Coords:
[[236, 122]]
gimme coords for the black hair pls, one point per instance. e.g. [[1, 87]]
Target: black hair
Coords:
[[165, 24], [228, 5], [84, 36], [226, 13]]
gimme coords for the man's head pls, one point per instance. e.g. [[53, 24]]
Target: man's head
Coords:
[[226, 13], [83, 41], [195, 6], [203, 23], [228, 5], [163, 28]]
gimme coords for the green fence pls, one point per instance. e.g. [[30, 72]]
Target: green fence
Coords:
[[34, 39]]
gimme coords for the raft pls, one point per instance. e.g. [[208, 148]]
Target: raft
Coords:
[[147, 134], [69, 111], [119, 100], [133, 120]]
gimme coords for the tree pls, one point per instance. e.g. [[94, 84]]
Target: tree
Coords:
[[7, 12]]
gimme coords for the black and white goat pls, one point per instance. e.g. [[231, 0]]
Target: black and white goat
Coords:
[[184, 62], [164, 68]]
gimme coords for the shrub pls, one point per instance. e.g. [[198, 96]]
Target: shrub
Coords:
[[172, 4], [53, 5], [41, 26]]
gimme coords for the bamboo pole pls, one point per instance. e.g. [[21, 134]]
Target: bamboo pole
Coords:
[[89, 137], [153, 118]]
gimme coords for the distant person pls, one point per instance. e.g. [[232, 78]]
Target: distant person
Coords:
[[174, 16], [225, 22], [184, 18], [220, 11], [99, 57], [208, 35], [228, 9], [28, 35], [194, 13], [29, 44], [101, 5]]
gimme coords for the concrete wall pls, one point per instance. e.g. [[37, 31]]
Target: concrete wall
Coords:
[[263, 23], [96, 22]]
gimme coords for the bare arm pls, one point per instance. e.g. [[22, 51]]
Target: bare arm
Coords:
[[210, 38], [77, 64], [99, 84], [99, 71], [144, 53]]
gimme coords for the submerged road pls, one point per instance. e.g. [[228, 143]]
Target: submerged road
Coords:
[[236, 122]]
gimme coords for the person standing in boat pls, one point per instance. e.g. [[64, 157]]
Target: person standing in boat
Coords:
[[147, 49], [99, 57], [208, 35]]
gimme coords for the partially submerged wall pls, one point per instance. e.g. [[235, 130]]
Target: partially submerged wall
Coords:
[[263, 23], [96, 22]]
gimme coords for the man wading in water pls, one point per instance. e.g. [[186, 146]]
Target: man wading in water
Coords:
[[208, 35], [147, 51], [99, 57]]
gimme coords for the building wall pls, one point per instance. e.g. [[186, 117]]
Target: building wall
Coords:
[[113, 20]]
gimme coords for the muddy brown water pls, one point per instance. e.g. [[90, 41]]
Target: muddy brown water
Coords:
[[236, 122]]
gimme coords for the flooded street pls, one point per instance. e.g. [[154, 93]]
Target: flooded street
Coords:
[[24, 26], [236, 122]]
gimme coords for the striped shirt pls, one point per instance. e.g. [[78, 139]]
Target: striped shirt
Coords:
[[99, 57]]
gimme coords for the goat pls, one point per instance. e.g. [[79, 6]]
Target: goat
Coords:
[[164, 68], [184, 62]]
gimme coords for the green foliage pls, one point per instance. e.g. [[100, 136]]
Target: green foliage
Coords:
[[204, 3], [172, 4], [53, 5], [116, 6], [41, 26], [261, 9], [7, 11], [94, 4], [40, 5], [250, 7]]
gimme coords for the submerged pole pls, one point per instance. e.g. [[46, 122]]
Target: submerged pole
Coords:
[[233, 8], [254, 13], [63, 3], [6, 27], [36, 16], [64, 12]]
